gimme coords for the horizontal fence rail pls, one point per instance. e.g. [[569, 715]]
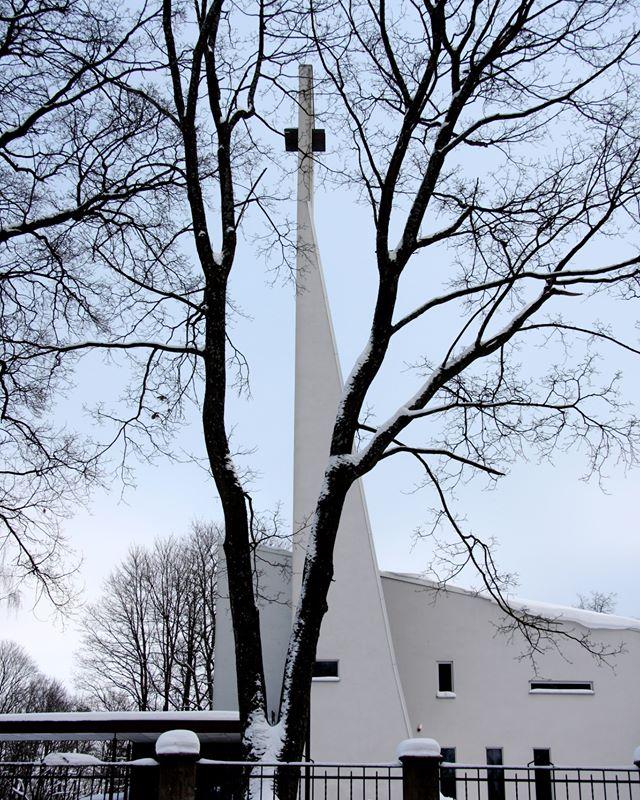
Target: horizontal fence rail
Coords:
[[227, 780]]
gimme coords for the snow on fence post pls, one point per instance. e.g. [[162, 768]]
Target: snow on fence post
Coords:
[[420, 759], [177, 752]]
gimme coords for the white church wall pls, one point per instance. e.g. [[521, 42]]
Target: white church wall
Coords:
[[493, 706], [361, 716], [273, 581]]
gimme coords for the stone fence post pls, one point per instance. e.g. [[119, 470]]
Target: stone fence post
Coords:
[[420, 760], [177, 752]]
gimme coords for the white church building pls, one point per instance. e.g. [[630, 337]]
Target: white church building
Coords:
[[397, 657]]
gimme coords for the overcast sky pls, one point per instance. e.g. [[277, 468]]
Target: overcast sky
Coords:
[[561, 535]]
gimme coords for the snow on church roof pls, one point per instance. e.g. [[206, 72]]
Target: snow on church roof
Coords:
[[567, 614]]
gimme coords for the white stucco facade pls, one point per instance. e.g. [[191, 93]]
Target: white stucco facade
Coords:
[[272, 574], [493, 705]]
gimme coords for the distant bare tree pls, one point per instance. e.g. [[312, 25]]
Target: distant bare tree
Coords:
[[602, 602], [148, 643], [24, 688], [17, 669]]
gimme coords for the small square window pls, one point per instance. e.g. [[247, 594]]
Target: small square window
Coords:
[[326, 670], [445, 678]]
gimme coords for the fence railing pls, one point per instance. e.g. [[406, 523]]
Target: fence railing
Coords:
[[186, 777], [217, 780], [29, 781], [482, 782]]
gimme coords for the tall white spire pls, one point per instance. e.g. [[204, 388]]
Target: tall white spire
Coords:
[[355, 630]]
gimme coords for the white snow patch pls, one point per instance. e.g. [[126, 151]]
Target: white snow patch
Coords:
[[70, 759], [420, 748], [579, 616], [105, 796], [179, 742], [265, 739], [362, 359], [266, 743]]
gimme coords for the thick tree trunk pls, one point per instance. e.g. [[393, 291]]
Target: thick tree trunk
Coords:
[[244, 611]]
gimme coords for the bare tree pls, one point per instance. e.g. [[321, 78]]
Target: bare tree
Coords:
[[76, 141], [148, 642], [24, 688], [16, 672], [496, 145], [602, 602]]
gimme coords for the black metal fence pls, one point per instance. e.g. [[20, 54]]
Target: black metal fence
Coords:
[[218, 780], [27, 781], [469, 782]]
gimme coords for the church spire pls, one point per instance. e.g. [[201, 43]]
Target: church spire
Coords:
[[355, 630]]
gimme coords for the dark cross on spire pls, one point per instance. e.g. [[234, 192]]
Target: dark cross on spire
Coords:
[[318, 140]]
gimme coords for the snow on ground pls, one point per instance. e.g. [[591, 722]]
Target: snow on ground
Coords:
[[70, 759]]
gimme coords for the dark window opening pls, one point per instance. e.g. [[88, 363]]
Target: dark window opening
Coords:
[[325, 669], [495, 777], [543, 777], [561, 686], [445, 676], [448, 775]]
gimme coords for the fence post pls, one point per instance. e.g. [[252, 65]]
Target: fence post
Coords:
[[636, 757], [177, 752], [420, 760]]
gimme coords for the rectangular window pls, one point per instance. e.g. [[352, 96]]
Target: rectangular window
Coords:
[[495, 777], [543, 777], [561, 687], [445, 678], [326, 671], [448, 775]]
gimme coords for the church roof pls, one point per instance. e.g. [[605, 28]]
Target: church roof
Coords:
[[566, 614]]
